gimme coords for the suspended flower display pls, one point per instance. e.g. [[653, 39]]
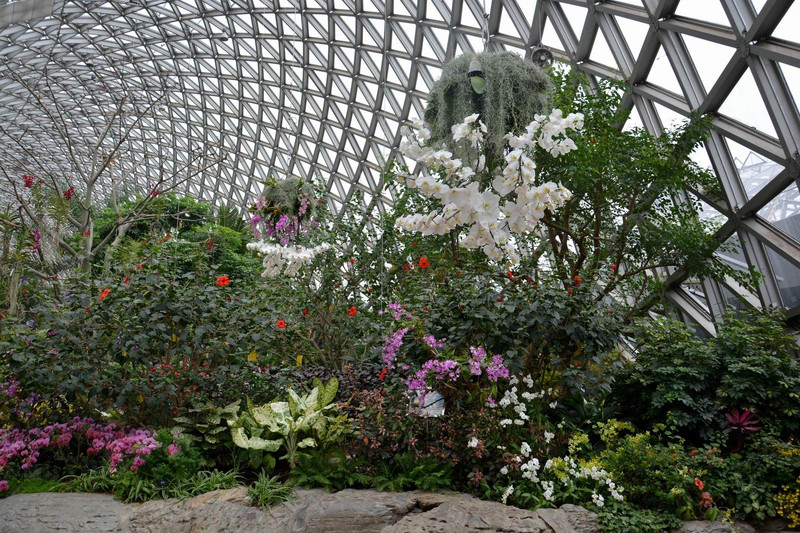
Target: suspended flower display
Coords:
[[282, 219], [491, 205]]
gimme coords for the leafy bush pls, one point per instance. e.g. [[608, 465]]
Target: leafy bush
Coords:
[[330, 470], [625, 519], [689, 383], [306, 421], [406, 472]]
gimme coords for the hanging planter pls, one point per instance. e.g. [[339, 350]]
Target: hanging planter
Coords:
[[505, 90]]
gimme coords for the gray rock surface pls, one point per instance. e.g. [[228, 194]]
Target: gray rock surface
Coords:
[[348, 511], [704, 526]]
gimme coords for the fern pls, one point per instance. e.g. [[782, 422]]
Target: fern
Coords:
[[330, 471]]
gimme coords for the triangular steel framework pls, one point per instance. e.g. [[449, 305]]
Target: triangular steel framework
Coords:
[[320, 87]]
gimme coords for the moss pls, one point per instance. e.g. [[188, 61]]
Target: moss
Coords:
[[516, 90]]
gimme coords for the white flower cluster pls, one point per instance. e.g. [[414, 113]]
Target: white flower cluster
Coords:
[[292, 257], [511, 398], [581, 472], [493, 214]]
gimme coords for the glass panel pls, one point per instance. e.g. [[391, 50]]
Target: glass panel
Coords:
[[710, 11], [755, 171], [788, 277], [744, 104]]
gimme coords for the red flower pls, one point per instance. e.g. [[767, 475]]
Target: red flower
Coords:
[[352, 311], [500, 299], [223, 281], [706, 500], [413, 244], [352, 261], [569, 292], [693, 453], [698, 483], [510, 275], [383, 373], [68, 193], [138, 267], [125, 280], [154, 193], [305, 312], [406, 267], [613, 266], [281, 324], [577, 280], [424, 263], [104, 294], [28, 181]]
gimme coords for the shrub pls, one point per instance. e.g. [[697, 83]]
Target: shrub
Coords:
[[689, 383]]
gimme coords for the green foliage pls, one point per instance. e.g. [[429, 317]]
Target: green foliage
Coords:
[[207, 427], [689, 383], [515, 91], [157, 341], [622, 221], [626, 519], [268, 491], [132, 489], [306, 421], [332, 471], [31, 485], [407, 471], [94, 480], [168, 212]]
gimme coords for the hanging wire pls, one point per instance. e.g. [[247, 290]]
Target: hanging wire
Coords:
[[485, 28]]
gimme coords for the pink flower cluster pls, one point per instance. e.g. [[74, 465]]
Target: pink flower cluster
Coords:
[[25, 445], [432, 343], [399, 312], [439, 370], [478, 363], [392, 345]]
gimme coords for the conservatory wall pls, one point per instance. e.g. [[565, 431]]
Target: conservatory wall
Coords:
[[536, 252]]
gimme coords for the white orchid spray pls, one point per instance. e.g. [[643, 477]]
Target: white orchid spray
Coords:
[[510, 203]]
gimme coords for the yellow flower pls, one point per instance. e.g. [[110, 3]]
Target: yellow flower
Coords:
[[174, 338], [299, 359], [252, 356], [140, 398]]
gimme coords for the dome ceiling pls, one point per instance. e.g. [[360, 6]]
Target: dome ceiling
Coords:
[[241, 90]]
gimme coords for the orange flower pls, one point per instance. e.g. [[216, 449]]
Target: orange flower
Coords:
[[223, 281], [383, 374], [104, 294], [424, 263], [352, 311], [281, 324], [698, 483]]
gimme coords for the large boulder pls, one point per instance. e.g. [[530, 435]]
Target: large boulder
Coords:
[[229, 511]]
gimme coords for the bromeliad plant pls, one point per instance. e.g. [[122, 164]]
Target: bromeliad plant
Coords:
[[307, 421], [741, 424]]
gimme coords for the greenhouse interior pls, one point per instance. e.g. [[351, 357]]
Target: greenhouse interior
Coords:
[[400, 266]]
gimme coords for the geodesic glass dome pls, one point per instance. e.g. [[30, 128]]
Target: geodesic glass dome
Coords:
[[243, 89]]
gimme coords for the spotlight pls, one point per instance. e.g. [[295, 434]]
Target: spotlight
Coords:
[[225, 35], [542, 57], [475, 75]]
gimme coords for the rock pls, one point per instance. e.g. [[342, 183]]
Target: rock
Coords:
[[456, 513], [45, 512], [704, 526], [348, 511]]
